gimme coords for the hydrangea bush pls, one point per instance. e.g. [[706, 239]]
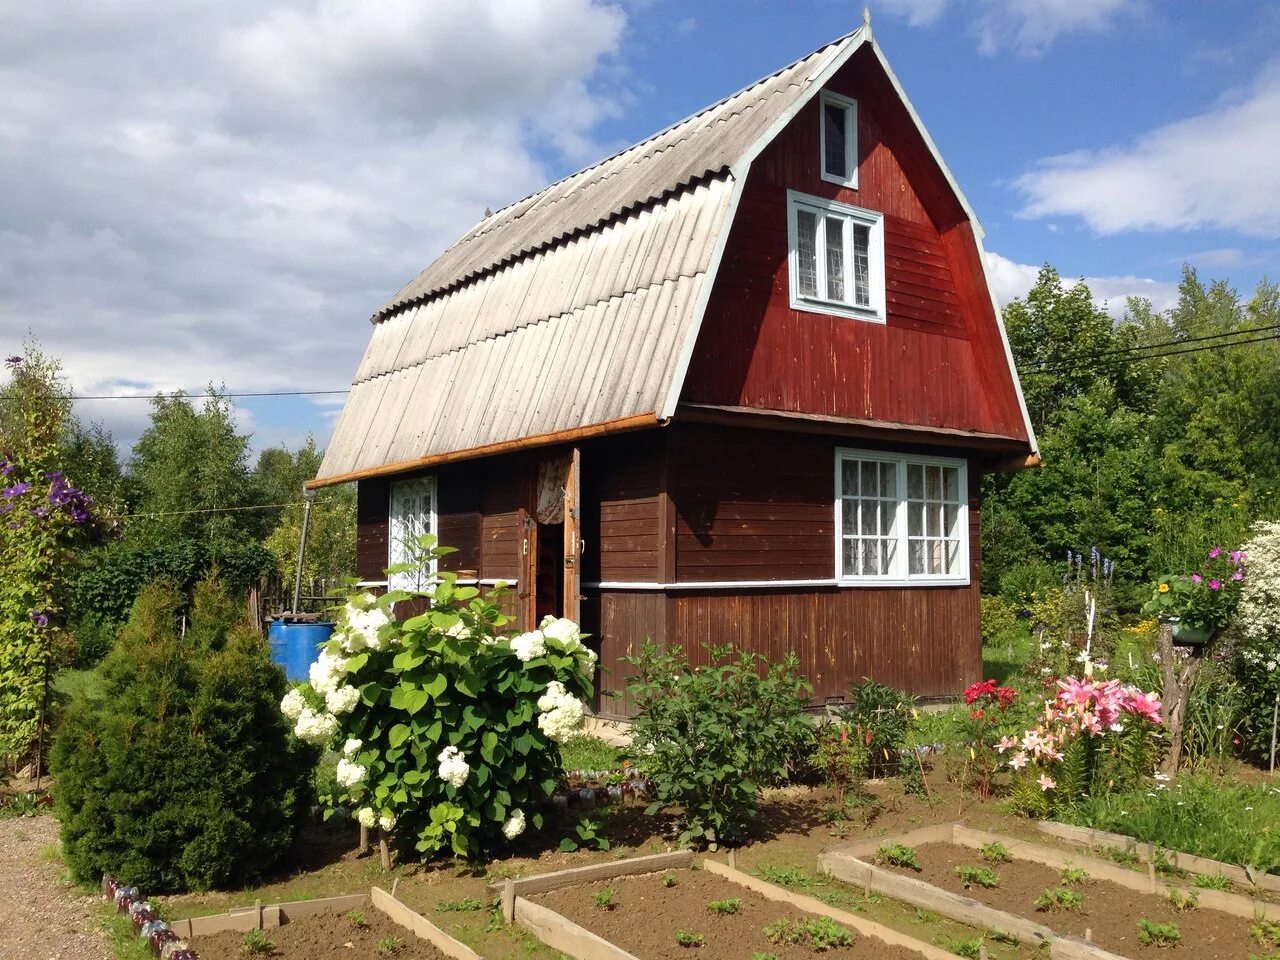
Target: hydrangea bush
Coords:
[[1257, 657], [448, 728], [1094, 735]]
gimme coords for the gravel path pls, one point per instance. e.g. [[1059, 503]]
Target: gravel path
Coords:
[[44, 918]]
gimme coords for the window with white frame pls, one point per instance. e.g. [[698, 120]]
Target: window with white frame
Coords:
[[901, 518], [838, 134], [836, 257], [412, 514]]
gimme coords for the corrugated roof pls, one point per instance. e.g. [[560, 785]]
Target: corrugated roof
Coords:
[[571, 308], [700, 145]]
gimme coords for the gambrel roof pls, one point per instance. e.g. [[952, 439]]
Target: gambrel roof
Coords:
[[574, 311]]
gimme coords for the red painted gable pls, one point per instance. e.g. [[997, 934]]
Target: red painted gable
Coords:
[[938, 361]]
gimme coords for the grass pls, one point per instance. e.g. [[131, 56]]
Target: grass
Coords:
[[125, 943], [690, 939], [1267, 933], [1211, 881], [793, 878], [970, 947], [1152, 934], [465, 905], [1058, 898], [722, 907], [585, 752], [818, 934], [977, 877], [899, 855]]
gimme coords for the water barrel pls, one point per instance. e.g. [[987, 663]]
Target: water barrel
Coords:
[[295, 644]]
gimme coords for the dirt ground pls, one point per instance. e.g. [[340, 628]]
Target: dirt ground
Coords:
[[638, 901], [1109, 911], [326, 937], [45, 917]]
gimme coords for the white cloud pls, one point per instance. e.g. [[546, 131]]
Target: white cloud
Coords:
[[1027, 27], [1220, 257], [225, 192], [1217, 169], [1012, 280]]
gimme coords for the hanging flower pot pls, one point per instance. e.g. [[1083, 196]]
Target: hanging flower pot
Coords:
[[1189, 634]]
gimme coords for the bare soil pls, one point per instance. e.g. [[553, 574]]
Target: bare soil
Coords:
[[326, 936], [1109, 913], [647, 915]]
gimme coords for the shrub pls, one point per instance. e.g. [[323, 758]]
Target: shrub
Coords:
[[840, 757], [881, 717], [180, 772], [448, 728], [709, 737], [999, 620], [93, 637]]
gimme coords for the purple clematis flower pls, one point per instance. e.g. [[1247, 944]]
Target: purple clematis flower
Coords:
[[13, 361], [17, 490], [39, 618]]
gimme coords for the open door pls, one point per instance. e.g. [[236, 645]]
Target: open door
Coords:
[[553, 538]]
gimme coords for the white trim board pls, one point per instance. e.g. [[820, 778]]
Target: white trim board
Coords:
[[765, 584]]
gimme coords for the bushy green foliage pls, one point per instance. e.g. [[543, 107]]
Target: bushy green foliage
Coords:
[[710, 736], [331, 532], [1152, 934], [840, 758], [1058, 898], [449, 728], [179, 772], [114, 575], [1233, 823], [898, 855], [880, 716], [971, 876]]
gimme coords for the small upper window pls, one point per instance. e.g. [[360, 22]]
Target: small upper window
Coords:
[[839, 138], [412, 515], [837, 258]]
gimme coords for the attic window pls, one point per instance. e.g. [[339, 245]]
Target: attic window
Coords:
[[412, 515], [839, 136], [836, 258]]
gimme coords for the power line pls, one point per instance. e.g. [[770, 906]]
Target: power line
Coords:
[[1124, 351], [259, 393], [1117, 362], [186, 513]]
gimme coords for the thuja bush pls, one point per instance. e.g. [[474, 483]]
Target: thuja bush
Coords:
[[179, 772], [449, 728], [709, 736]]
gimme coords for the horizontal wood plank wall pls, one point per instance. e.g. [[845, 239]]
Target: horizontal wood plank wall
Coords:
[[458, 515], [501, 497], [372, 505], [936, 362], [620, 482]]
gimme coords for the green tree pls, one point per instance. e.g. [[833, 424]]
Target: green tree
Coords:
[[331, 535]]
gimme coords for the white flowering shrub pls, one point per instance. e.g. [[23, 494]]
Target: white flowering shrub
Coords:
[[448, 727], [1256, 663]]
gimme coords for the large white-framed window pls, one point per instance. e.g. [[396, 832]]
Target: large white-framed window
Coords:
[[411, 514], [901, 519], [836, 257], [838, 138]]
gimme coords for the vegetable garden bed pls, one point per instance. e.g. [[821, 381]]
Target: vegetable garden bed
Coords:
[[661, 908], [1080, 906]]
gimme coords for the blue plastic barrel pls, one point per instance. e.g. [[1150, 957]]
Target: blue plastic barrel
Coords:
[[296, 645]]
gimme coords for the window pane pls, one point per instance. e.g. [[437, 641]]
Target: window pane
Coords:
[[887, 512], [834, 237], [871, 557], [934, 556], [807, 253], [849, 516], [916, 556], [849, 478], [951, 483], [869, 508], [833, 162], [915, 481], [950, 514], [889, 480], [953, 556], [915, 520], [869, 485], [861, 265], [850, 565], [933, 483], [933, 519], [887, 549]]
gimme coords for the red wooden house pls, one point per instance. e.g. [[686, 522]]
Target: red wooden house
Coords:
[[738, 382]]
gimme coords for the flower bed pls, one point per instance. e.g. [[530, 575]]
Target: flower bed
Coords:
[[670, 915], [1038, 892], [325, 936]]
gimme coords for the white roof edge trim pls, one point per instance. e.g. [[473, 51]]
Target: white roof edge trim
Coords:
[[978, 234]]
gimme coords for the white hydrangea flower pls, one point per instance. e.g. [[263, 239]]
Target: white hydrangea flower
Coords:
[[315, 727], [459, 630], [563, 631], [328, 671], [1259, 614], [342, 699], [365, 622], [555, 692], [386, 822], [349, 640], [352, 747], [349, 773], [293, 704], [514, 826], [527, 646], [454, 769], [562, 714], [366, 817]]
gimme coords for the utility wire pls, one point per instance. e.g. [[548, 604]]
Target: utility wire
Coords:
[[1117, 362], [194, 396], [1124, 351], [185, 513]]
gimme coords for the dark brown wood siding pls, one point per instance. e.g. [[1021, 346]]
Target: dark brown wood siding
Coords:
[[372, 505], [621, 484]]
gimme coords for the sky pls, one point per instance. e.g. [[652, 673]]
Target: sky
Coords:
[[196, 193]]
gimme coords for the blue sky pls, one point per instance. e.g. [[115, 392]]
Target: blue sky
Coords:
[[201, 193]]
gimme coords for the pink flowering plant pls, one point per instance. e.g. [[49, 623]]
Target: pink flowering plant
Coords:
[[1094, 734], [1205, 600], [989, 716]]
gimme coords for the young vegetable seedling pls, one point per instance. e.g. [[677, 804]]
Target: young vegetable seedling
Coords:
[[1058, 898], [725, 906], [256, 942], [357, 919], [668, 881], [977, 877], [819, 934], [898, 855], [1211, 881], [690, 939], [995, 852], [465, 905], [1151, 934], [1266, 932], [1073, 877], [1183, 900], [603, 899]]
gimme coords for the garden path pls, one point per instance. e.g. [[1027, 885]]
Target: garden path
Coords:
[[46, 918]]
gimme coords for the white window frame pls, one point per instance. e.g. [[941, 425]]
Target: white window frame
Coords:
[[850, 108], [900, 575], [874, 312], [397, 546]]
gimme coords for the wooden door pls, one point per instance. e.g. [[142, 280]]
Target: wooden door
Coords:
[[573, 538]]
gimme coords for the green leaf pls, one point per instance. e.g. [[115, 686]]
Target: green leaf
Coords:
[[487, 744], [408, 698], [399, 733], [568, 846], [436, 685]]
